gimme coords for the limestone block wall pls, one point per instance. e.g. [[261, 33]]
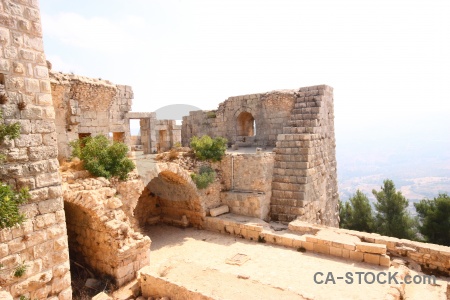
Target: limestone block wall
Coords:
[[305, 177], [167, 134], [100, 234], [88, 106], [247, 184], [269, 111], [148, 134], [40, 243]]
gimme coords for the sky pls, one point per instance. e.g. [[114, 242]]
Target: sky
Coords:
[[388, 61]]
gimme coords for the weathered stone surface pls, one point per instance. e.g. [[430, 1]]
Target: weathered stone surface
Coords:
[[100, 232]]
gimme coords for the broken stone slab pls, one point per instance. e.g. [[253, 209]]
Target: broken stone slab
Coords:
[[102, 296], [370, 248], [219, 210]]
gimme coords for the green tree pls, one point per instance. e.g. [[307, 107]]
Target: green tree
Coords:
[[356, 214], [392, 218], [103, 158], [207, 148], [434, 216], [10, 200]]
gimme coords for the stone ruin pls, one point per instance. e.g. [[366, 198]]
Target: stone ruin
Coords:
[[290, 178]]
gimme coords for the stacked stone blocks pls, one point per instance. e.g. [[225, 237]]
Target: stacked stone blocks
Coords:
[[304, 178], [40, 243]]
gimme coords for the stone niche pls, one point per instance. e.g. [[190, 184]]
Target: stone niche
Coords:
[[247, 180]]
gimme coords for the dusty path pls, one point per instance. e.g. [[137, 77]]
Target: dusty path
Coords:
[[197, 259]]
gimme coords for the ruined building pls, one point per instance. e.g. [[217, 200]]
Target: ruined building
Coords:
[[287, 174], [299, 126]]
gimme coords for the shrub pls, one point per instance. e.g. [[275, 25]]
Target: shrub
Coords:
[[103, 158], [20, 270], [205, 177], [211, 114], [173, 154], [207, 148], [10, 200]]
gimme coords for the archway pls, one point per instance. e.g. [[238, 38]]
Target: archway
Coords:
[[99, 234], [245, 124], [170, 197]]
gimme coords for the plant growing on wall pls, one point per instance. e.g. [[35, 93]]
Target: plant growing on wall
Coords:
[[205, 177], [10, 200], [207, 148], [102, 157]]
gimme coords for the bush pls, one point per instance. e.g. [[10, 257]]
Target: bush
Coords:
[[103, 158], [207, 148], [205, 177], [10, 201], [173, 154]]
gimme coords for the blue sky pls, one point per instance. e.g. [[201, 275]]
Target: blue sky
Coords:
[[388, 61]]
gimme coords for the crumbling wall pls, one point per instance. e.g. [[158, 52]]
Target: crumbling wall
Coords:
[[86, 106], [271, 112], [100, 234], [300, 123], [305, 178], [40, 243]]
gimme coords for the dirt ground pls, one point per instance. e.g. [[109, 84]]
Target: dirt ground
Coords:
[[197, 259]]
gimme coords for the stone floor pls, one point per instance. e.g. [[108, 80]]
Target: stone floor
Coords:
[[203, 261]]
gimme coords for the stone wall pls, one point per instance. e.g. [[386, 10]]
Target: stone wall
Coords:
[[100, 233], [355, 246], [234, 117], [86, 106], [305, 177], [40, 243], [167, 134], [247, 184], [300, 124]]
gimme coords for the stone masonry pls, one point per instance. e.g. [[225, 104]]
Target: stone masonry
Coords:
[[300, 125], [304, 178], [86, 106], [249, 120], [40, 243]]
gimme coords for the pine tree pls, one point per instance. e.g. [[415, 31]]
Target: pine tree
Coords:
[[434, 218], [356, 214], [392, 218]]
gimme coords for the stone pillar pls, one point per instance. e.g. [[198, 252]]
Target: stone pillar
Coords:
[[40, 243], [304, 182]]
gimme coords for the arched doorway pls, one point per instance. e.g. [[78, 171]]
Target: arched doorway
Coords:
[[246, 125], [171, 198]]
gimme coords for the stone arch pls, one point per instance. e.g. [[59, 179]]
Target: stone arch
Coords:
[[245, 124], [242, 113], [170, 196], [100, 235]]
